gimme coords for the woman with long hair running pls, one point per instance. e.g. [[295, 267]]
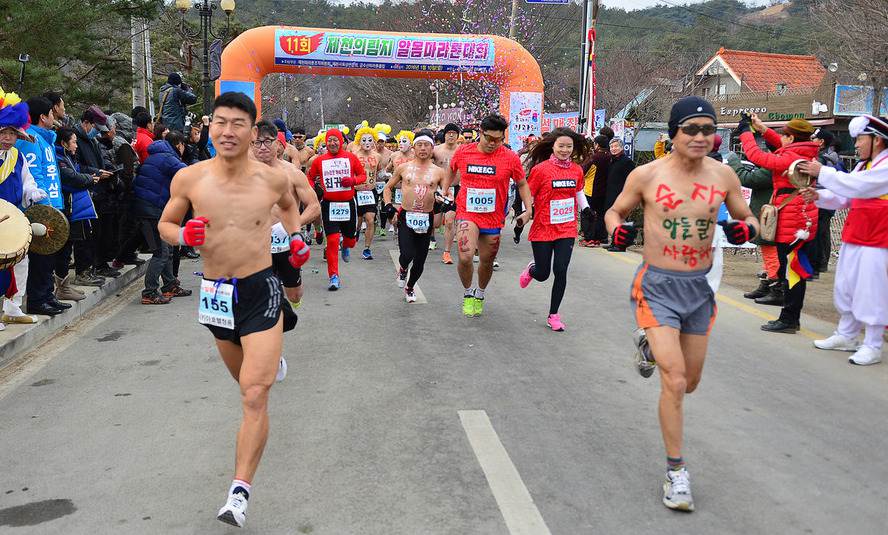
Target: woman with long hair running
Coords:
[[556, 184]]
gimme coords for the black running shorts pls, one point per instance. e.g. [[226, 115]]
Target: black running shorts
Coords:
[[258, 304], [289, 275]]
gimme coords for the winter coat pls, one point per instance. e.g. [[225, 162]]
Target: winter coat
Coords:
[[798, 214], [601, 160], [41, 160], [619, 170], [89, 154], [151, 188], [75, 189], [144, 137], [173, 101]]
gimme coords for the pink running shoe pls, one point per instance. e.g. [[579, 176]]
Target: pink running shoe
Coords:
[[525, 277], [554, 322]]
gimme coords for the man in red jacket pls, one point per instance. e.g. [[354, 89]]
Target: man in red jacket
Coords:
[[336, 172], [797, 220]]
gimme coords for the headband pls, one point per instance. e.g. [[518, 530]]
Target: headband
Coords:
[[423, 138]]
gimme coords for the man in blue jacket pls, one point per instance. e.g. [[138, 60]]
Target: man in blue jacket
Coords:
[[41, 160], [151, 191], [173, 99]]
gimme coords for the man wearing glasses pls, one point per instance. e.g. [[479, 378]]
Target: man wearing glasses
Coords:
[[267, 148], [298, 153], [673, 302], [483, 170]]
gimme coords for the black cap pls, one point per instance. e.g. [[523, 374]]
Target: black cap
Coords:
[[174, 78], [688, 108], [824, 135]]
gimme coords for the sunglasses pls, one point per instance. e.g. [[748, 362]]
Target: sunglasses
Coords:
[[266, 142], [694, 129], [493, 139]]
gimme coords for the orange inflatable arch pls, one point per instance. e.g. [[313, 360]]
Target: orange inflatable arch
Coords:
[[340, 52]]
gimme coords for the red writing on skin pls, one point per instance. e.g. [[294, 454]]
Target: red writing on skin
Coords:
[[666, 197], [707, 193], [687, 254]]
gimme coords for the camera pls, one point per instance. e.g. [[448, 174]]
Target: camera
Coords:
[[24, 58]]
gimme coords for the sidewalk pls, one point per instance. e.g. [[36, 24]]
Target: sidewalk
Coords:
[[18, 338]]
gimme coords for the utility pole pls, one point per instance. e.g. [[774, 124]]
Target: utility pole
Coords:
[[138, 60], [512, 20], [149, 71], [321, 90], [588, 88]]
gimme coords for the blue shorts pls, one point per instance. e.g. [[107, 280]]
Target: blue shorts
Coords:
[[490, 231]]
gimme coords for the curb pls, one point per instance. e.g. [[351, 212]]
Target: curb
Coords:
[[19, 338]]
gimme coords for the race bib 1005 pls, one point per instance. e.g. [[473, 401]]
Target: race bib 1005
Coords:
[[280, 240], [561, 211], [480, 201], [333, 171], [418, 221], [340, 211], [365, 198], [214, 306]]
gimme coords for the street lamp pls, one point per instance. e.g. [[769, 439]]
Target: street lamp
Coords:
[[205, 10]]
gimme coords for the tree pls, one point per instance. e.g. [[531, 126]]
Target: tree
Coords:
[[857, 37], [82, 49]]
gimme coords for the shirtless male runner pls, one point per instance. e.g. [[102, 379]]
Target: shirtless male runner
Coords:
[[673, 301], [267, 149], [419, 179], [240, 301], [365, 194], [483, 169], [442, 155], [404, 155], [336, 173], [303, 152]]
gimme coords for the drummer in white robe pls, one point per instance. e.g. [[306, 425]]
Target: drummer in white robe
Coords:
[[861, 287]]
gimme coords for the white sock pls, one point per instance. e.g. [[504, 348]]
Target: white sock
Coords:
[[469, 292], [479, 293], [239, 483]]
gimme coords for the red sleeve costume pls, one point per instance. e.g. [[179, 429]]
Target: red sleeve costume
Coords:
[[337, 174]]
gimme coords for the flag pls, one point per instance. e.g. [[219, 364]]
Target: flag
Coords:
[[797, 266]]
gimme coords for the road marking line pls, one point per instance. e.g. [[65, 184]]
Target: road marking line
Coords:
[[420, 297], [516, 505], [807, 333]]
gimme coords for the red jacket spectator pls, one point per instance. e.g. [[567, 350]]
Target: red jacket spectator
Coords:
[[144, 137], [795, 215]]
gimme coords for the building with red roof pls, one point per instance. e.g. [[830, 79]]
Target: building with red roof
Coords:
[[739, 71]]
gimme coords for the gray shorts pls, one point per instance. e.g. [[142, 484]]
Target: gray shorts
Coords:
[[682, 300]]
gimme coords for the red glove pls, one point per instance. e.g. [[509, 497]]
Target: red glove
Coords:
[[300, 252], [737, 232], [624, 236], [348, 182], [194, 233]]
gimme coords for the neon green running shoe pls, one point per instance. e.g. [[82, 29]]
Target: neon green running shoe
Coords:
[[469, 306], [478, 306]]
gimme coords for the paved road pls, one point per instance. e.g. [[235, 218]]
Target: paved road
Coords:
[[126, 423]]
